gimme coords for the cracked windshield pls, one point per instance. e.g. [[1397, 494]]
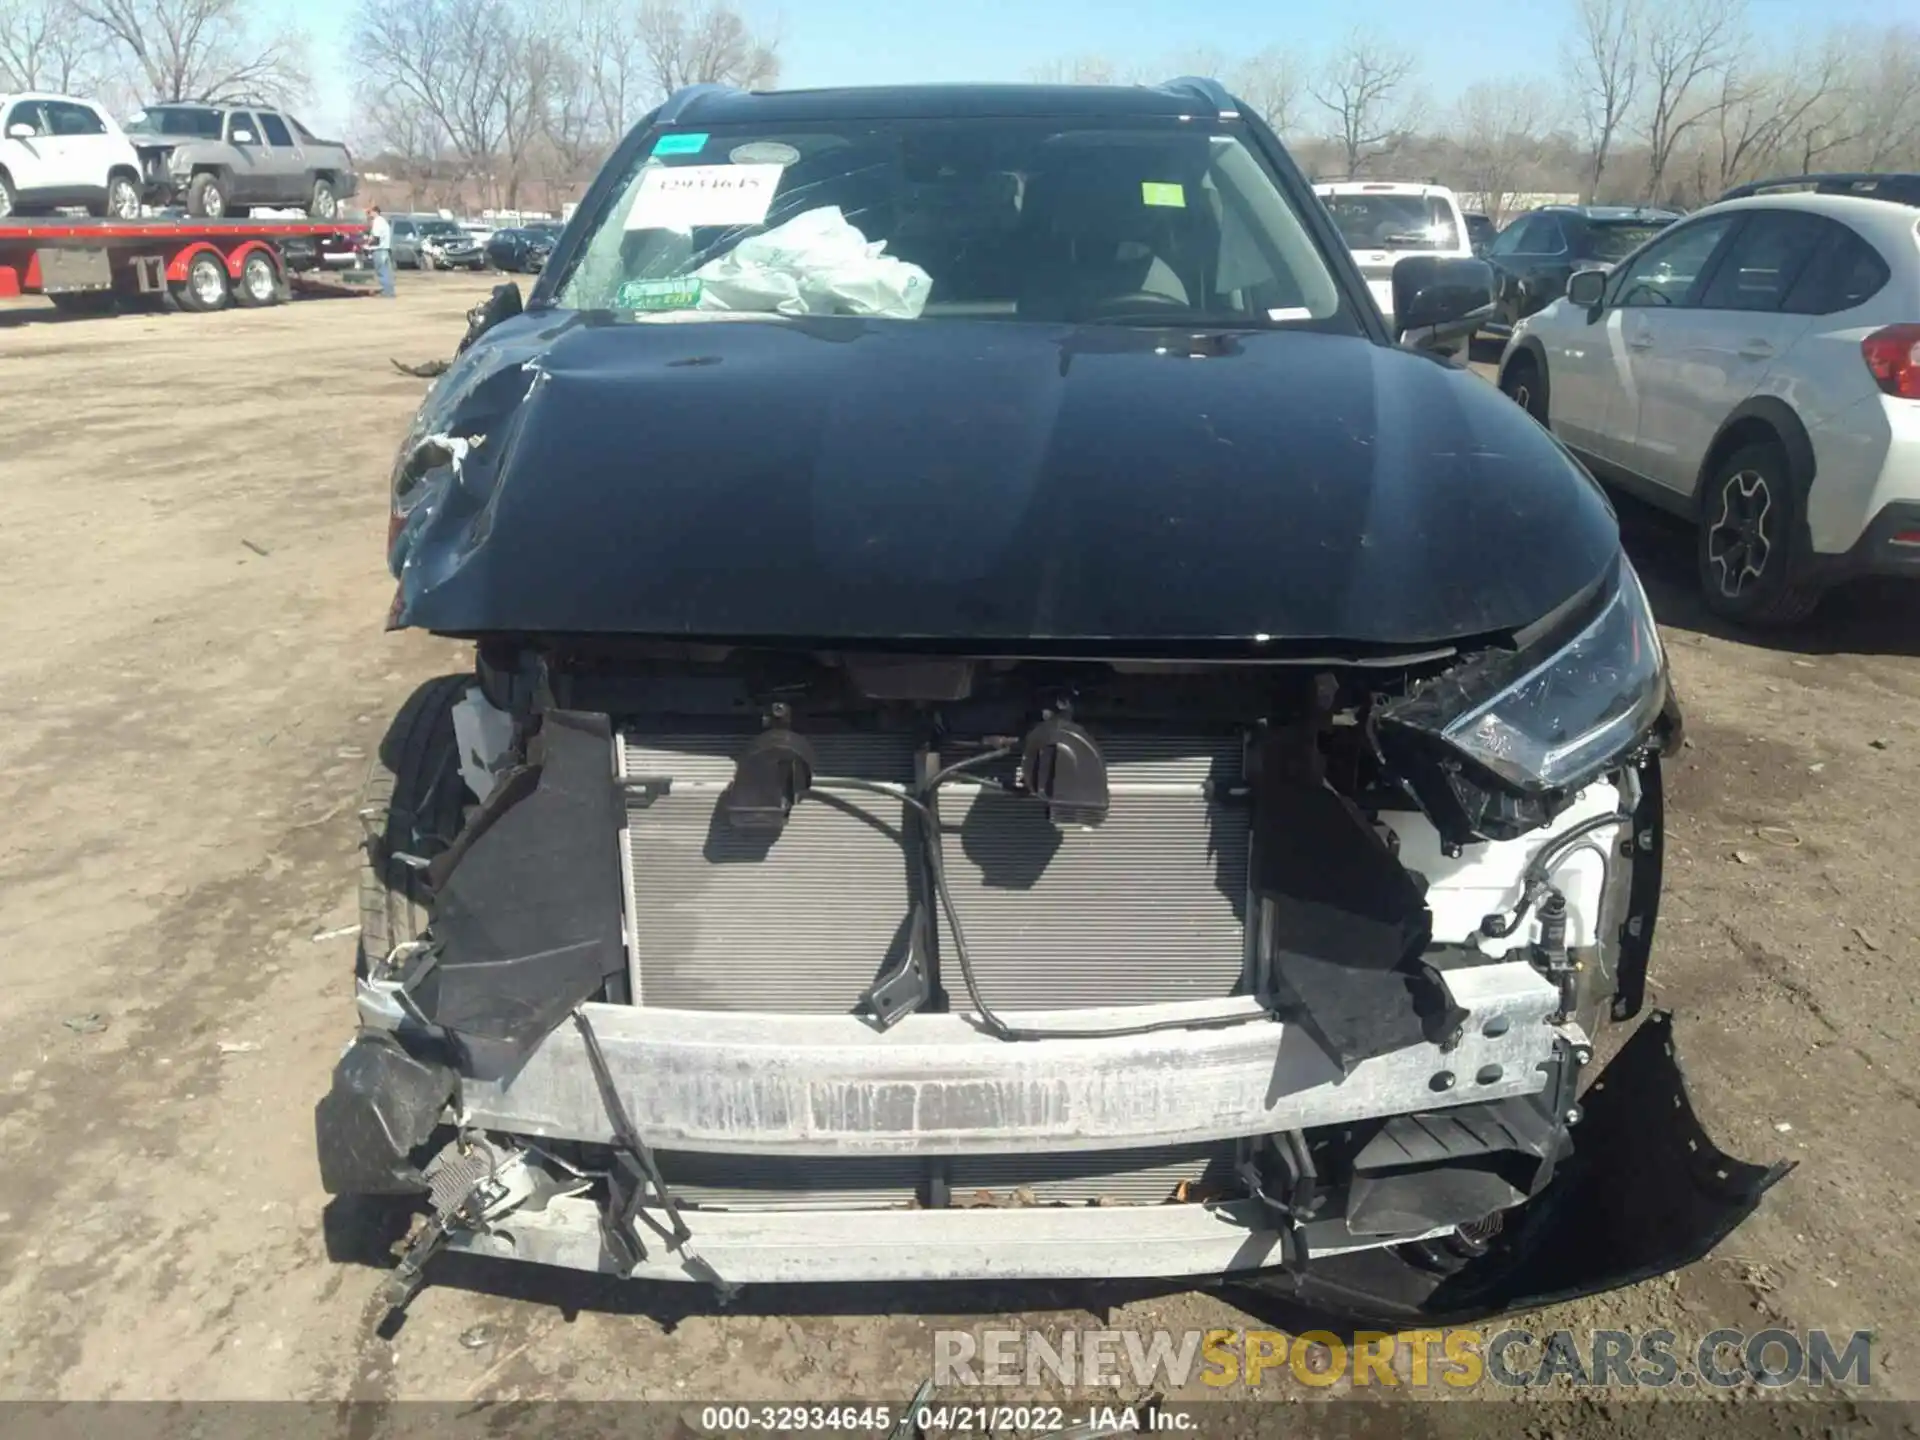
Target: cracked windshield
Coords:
[[1164, 219]]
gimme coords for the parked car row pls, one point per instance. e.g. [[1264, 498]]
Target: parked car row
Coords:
[[215, 160], [1753, 367]]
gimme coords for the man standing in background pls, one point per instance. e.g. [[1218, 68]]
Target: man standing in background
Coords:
[[380, 247]]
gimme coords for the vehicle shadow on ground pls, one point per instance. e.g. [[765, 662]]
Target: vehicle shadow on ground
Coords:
[[1866, 617], [26, 315]]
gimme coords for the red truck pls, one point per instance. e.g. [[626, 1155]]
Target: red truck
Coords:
[[90, 266]]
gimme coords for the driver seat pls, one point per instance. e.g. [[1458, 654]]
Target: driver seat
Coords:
[[1090, 237]]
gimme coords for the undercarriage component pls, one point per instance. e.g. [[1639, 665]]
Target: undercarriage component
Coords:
[[1452, 1167], [1645, 1192], [635, 1171], [471, 1183]]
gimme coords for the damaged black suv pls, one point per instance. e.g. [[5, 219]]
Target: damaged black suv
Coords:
[[1017, 731]]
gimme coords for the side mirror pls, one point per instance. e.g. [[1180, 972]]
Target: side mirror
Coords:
[[21, 130], [243, 137], [1438, 302], [1586, 289], [502, 305]]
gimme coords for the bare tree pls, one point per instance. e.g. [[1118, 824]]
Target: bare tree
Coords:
[[1762, 115], [703, 44], [603, 83], [206, 50], [1084, 70], [1887, 101], [1271, 81], [478, 69], [1688, 42], [1363, 89], [1603, 62], [1498, 128], [44, 45], [398, 135]]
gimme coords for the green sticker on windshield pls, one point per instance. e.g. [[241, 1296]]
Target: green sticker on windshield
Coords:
[[1156, 192], [682, 294]]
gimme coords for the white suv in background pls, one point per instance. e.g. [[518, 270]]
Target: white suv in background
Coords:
[[1756, 369], [56, 151], [1384, 221]]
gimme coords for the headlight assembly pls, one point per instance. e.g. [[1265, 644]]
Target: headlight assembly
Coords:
[[1499, 744]]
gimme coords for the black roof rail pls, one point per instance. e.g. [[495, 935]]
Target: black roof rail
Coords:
[[1901, 188], [677, 104], [1211, 91]]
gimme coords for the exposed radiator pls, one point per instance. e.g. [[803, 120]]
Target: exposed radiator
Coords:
[[1115, 1177], [1148, 907]]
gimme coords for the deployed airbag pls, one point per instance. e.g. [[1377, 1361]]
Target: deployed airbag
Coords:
[[818, 263]]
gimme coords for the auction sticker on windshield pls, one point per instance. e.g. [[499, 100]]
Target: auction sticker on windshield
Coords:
[[680, 294], [679, 197]]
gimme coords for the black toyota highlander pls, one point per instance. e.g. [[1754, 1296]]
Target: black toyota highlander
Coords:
[[1016, 730]]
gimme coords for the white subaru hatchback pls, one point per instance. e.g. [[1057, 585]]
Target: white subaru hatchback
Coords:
[[56, 150], [1384, 221], [1755, 369]]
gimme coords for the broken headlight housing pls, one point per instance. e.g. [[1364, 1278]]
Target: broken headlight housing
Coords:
[[1502, 742]]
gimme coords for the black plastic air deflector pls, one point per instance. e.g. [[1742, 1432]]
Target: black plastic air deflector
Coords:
[[1645, 1192], [383, 1104], [1450, 1167], [1347, 922], [526, 917]]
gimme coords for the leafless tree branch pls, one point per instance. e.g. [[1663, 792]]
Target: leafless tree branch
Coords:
[[206, 50], [1363, 88]]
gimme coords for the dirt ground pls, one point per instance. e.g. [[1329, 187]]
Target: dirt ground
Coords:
[[192, 677]]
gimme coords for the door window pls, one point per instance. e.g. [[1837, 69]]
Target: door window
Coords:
[[241, 123], [275, 128], [1508, 241], [1666, 272], [1764, 261], [1547, 237], [65, 117], [27, 112], [1845, 272]]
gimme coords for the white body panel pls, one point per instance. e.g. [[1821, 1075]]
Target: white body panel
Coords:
[[1649, 389]]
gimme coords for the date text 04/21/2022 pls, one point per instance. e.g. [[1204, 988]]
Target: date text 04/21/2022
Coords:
[[938, 1419]]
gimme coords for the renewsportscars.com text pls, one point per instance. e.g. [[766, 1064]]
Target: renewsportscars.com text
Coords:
[[1457, 1359]]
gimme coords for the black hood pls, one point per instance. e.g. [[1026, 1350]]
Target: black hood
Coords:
[[846, 480]]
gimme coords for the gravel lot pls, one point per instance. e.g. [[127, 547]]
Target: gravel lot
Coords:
[[194, 673]]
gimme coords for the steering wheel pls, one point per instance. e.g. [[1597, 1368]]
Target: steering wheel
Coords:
[[1133, 302]]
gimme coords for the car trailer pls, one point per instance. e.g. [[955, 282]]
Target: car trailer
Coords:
[[89, 266]]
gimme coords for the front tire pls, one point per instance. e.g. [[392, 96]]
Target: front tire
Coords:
[[1750, 515], [9, 201], [323, 204], [207, 197], [1524, 383], [413, 804], [121, 201]]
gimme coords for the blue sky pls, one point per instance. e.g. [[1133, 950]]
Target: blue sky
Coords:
[[848, 42]]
